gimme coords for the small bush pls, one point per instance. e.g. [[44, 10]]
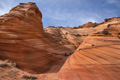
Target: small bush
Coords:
[[108, 25], [80, 26], [106, 32], [51, 26], [77, 35], [3, 65], [29, 77], [65, 54], [84, 35], [71, 52], [79, 43], [93, 45], [98, 32], [66, 33]]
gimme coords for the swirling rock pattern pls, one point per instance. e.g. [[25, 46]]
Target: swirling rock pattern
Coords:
[[23, 40], [98, 58]]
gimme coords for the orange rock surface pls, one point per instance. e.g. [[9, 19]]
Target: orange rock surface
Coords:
[[75, 36], [97, 58], [114, 29], [36, 50], [100, 61], [88, 25], [23, 40]]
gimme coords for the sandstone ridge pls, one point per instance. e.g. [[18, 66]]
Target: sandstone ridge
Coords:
[[23, 40]]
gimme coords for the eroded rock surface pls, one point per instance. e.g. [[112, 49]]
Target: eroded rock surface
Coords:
[[98, 55], [36, 50], [89, 24], [75, 36], [23, 40], [96, 58]]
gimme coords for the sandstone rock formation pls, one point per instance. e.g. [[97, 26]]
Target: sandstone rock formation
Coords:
[[89, 24], [114, 29], [36, 50], [112, 19], [95, 59], [23, 40], [75, 36]]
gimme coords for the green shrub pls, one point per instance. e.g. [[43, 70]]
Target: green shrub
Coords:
[[108, 25], [93, 45], [79, 43], [29, 77], [66, 33], [65, 54], [77, 35], [98, 32], [106, 32], [80, 26], [70, 53], [84, 35], [3, 65]]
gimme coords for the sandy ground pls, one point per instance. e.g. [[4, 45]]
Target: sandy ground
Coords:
[[10, 72]]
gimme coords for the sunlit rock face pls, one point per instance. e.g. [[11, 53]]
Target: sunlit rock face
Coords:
[[75, 36], [112, 19], [98, 55], [23, 40], [114, 29], [34, 49], [89, 24]]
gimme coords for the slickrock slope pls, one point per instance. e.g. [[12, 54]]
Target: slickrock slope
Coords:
[[76, 36], [60, 36], [23, 40], [97, 58], [100, 27], [68, 36], [97, 41], [34, 50], [100, 61], [114, 29]]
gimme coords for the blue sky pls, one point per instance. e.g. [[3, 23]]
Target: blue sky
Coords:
[[69, 12]]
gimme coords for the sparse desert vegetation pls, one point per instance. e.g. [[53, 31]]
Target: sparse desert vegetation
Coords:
[[28, 51]]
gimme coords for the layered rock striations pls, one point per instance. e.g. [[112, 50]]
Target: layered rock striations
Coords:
[[75, 36], [98, 55], [114, 29], [23, 40], [89, 24], [96, 58], [34, 49]]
